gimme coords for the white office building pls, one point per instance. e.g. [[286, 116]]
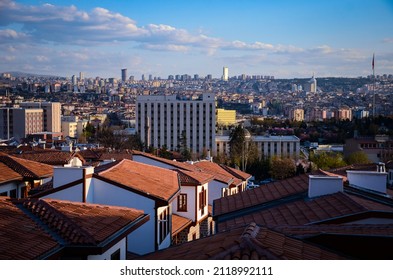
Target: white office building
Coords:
[[163, 119], [268, 146]]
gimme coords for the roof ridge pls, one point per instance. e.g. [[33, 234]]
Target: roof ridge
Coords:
[[58, 222], [16, 166]]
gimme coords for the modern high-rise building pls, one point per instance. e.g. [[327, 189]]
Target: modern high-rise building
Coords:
[[52, 114], [311, 85], [163, 120], [74, 80], [225, 74], [81, 77], [19, 122], [124, 75]]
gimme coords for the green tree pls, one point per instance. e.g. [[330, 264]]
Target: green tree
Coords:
[[184, 150], [282, 168], [326, 161], [358, 157]]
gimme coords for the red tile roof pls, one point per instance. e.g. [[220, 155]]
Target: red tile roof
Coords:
[[245, 243], [8, 175], [263, 194], [197, 178], [179, 223], [21, 237], [151, 180], [51, 157], [31, 228], [81, 223], [220, 173], [27, 168], [304, 211]]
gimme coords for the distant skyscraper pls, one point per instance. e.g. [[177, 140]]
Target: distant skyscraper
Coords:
[[81, 76], [74, 81], [225, 74], [124, 75], [150, 77], [143, 77], [311, 85]]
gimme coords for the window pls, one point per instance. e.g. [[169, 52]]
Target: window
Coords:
[[116, 255], [4, 194], [13, 193], [163, 224], [202, 200], [182, 203]]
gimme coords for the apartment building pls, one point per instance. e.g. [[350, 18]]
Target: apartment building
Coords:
[[19, 122], [51, 114], [166, 120]]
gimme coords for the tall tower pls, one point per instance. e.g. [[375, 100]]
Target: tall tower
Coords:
[[81, 76], [124, 74], [225, 74]]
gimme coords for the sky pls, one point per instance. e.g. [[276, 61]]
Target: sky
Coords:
[[281, 38]]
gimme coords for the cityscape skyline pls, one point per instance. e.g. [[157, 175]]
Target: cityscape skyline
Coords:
[[284, 39]]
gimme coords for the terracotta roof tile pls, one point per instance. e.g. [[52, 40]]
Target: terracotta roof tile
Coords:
[[20, 237], [305, 211], [248, 242], [50, 157], [179, 223], [220, 173], [194, 178], [27, 168], [263, 194], [8, 175], [155, 181]]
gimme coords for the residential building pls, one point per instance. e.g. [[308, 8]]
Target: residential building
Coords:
[[296, 114], [163, 120], [126, 184], [268, 146], [311, 85], [37, 229], [323, 209], [51, 114], [19, 122], [124, 75], [19, 176], [251, 242], [377, 149]]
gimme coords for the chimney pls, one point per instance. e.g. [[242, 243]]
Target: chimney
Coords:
[[371, 180], [381, 167], [209, 158], [319, 185]]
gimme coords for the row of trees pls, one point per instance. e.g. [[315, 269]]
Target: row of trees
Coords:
[[244, 155]]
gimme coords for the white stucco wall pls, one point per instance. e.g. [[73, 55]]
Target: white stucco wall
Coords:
[[74, 193], [141, 241], [8, 187], [215, 190], [65, 175], [371, 180], [191, 207], [107, 254]]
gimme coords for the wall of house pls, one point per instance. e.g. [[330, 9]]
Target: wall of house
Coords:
[[371, 180], [191, 206], [107, 254], [7, 187], [65, 175], [141, 241], [74, 193], [215, 190], [372, 221]]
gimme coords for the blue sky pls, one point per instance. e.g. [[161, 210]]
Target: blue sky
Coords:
[[283, 38]]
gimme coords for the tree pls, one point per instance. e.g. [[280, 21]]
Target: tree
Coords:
[[243, 151], [327, 161], [184, 150], [282, 168], [358, 157]]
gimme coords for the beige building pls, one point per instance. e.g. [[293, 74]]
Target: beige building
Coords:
[[163, 119], [225, 117], [73, 129], [344, 114], [19, 122], [51, 114]]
